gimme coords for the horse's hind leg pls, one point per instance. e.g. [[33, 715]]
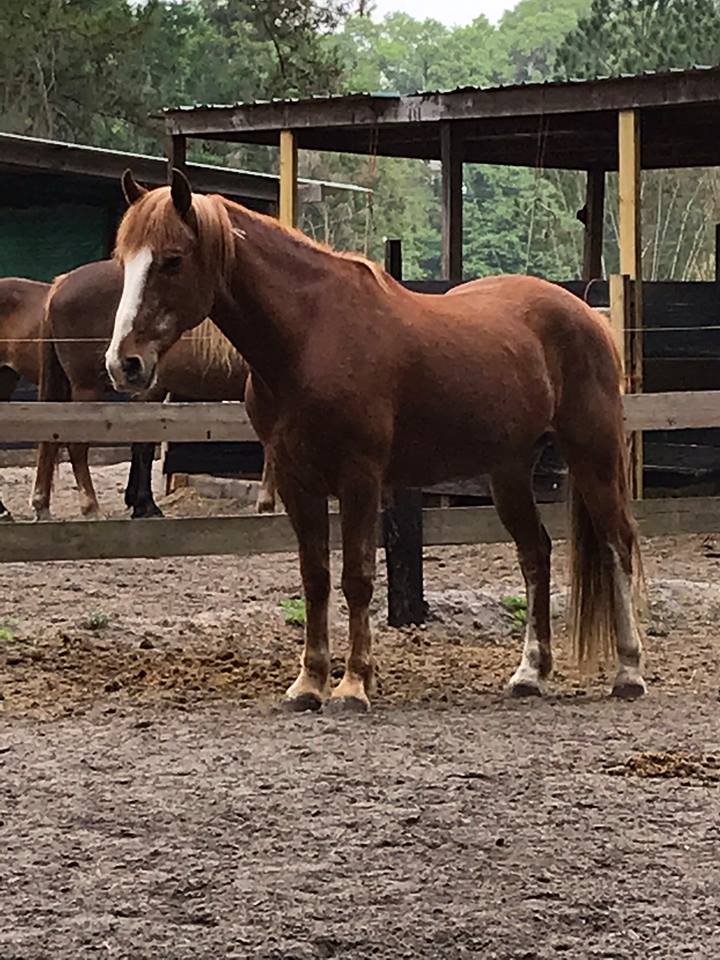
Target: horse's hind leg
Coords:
[[42, 487], [515, 503], [78, 453], [359, 504]]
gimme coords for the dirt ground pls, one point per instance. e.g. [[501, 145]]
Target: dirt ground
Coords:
[[155, 803]]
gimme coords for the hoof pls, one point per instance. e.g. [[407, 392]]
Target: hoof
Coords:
[[304, 703], [265, 506], [523, 689], [339, 705], [629, 690], [146, 512]]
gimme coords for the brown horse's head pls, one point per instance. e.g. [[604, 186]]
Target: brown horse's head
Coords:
[[173, 247]]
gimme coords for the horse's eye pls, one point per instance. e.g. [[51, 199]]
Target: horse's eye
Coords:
[[170, 264]]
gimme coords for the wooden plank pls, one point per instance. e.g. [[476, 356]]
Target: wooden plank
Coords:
[[249, 535], [97, 456], [228, 421], [123, 422], [402, 524], [619, 289], [672, 411], [630, 237], [288, 178], [594, 223], [177, 155], [452, 211]]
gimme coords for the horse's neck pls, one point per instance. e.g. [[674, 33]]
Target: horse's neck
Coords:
[[272, 299]]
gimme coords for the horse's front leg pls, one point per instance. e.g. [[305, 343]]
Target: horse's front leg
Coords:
[[359, 504], [309, 517]]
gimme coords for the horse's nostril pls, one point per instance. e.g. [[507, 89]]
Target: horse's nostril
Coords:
[[132, 367]]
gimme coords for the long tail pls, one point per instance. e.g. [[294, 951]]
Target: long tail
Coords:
[[592, 621]]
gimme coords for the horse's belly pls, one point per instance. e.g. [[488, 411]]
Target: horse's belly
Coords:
[[431, 447]]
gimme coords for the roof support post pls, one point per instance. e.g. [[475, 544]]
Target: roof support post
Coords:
[[629, 175], [451, 155], [177, 155], [288, 178], [593, 218]]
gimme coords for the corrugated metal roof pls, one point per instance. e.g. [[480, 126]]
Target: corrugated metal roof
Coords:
[[61, 147], [423, 94]]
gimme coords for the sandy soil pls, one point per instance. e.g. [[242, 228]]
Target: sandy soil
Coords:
[[155, 803]]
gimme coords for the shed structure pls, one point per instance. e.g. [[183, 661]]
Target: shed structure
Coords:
[[624, 124], [60, 203]]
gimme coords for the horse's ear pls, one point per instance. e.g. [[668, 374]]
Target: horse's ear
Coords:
[[181, 192], [132, 190]]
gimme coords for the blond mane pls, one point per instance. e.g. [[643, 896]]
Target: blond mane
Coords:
[[153, 220], [212, 348]]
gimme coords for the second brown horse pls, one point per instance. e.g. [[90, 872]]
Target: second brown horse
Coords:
[[56, 336]]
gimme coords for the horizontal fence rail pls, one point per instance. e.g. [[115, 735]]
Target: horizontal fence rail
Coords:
[[228, 420], [124, 422], [245, 536]]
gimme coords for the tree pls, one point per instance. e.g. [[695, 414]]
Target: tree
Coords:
[[631, 36], [679, 207]]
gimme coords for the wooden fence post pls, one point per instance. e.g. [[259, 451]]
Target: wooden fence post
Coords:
[[403, 525]]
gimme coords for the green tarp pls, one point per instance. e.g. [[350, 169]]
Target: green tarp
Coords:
[[39, 242]]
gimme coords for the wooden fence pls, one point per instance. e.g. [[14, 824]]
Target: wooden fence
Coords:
[[242, 536]]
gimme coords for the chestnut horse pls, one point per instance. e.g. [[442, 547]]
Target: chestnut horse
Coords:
[[72, 319], [22, 303], [357, 383]]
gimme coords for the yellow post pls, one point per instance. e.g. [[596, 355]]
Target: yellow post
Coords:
[[288, 178], [631, 266]]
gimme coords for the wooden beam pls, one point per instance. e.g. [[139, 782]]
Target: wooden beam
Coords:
[[402, 525], [452, 211], [629, 193], [123, 422], [227, 421], [631, 265], [620, 318], [23, 541], [672, 411], [177, 155], [288, 178], [594, 224]]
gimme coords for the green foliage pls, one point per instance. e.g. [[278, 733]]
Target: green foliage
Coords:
[[631, 36], [517, 608], [7, 633], [97, 620], [294, 611], [96, 70]]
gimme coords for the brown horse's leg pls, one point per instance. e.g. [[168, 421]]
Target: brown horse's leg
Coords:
[[266, 495], [309, 517], [42, 487], [89, 506], [515, 503], [78, 453], [359, 504]]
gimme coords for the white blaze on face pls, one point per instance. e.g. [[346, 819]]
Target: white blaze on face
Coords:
[[135, 276]]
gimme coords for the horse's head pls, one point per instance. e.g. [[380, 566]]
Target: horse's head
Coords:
[[170, 272]]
